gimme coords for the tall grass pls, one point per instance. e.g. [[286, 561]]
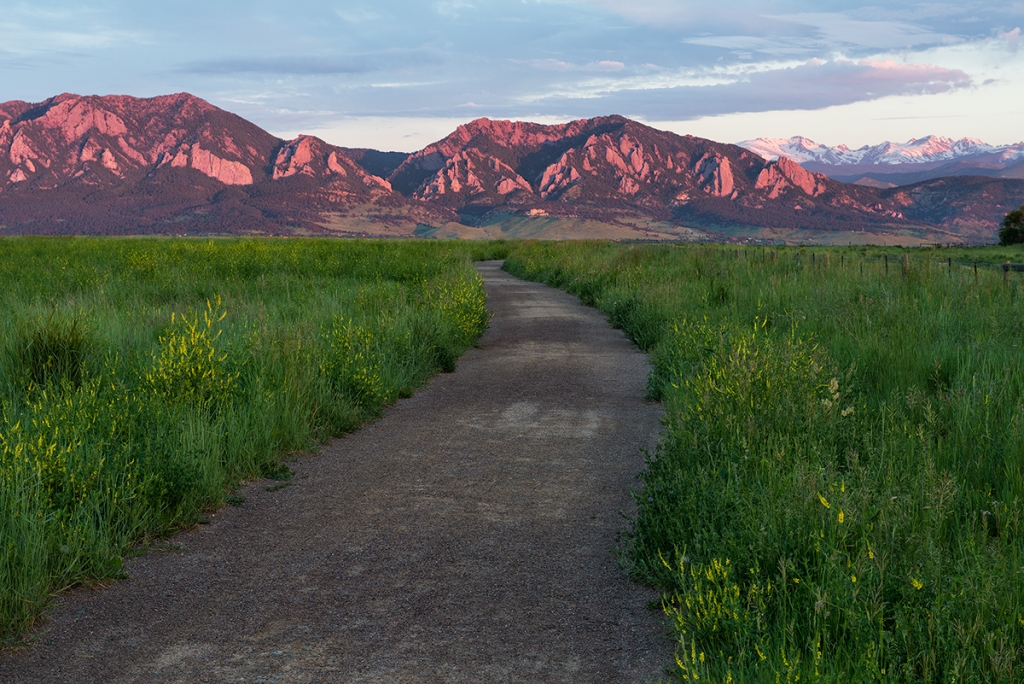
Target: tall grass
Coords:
[[840, 490], [142, 380]]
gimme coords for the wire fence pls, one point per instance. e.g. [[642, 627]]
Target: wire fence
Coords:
[[843, 260]]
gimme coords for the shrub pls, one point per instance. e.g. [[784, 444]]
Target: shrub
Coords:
[[1012, 231], [48, 352], [189, 365]]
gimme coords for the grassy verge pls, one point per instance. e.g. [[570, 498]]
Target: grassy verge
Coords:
[[141, 381], [839, 495]]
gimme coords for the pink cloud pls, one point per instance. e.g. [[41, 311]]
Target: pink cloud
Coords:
[[876, 79], [1012, 39]]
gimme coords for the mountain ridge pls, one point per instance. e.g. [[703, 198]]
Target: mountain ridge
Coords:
[[176, 163], [889, 164], [929, 149]]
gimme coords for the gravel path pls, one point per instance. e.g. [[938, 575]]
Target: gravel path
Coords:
[[464, 537]]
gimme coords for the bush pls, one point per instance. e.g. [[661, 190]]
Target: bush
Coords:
[[47, 352], [1012, 232]]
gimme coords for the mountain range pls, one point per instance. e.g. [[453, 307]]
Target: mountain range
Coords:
[[178, 165], [890, 164]]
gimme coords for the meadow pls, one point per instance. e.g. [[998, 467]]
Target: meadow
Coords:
[[839, 493], [142, 381]]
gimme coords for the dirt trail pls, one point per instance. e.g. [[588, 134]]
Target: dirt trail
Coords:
[[464, 537]]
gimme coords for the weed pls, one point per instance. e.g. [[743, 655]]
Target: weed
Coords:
[[141, 380], [840, 490], [278, 471], [47, 352]]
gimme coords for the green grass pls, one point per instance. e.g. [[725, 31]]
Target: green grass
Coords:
[[141, 381], [840, 490]]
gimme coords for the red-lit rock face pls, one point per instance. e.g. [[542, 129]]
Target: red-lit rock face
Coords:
[[614, 164], [608, 160], [104, 140], [178, 157], [313, 158], [120, 164], [784, 173]]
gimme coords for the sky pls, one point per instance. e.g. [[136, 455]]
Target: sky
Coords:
[[398, 75]]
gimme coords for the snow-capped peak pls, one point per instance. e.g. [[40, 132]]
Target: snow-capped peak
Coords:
[[931, 148]]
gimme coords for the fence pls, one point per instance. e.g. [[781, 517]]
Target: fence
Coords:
[[906, 264]]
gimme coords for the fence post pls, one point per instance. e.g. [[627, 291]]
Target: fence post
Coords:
[[1006, 273], [906, 265], [827, 259], [886, 264], [975, 272]]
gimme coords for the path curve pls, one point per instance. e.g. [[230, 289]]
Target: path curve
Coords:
[[464, 537]]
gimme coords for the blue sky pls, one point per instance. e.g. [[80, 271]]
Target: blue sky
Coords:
[[397, 75]]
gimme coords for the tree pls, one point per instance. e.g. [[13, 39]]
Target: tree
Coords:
[[1012, 232]]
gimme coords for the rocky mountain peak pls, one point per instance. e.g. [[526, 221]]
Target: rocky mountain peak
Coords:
[[783, 173], [310, 157], [113, 160], [102, 140]]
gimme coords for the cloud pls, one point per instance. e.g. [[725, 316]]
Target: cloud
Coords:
[[823, 33], [655, 12], [308, 65], [881, 35], [22, 39], [888, 77], [277, 66], [605, 65], [658, 59], [812, 85], [1012, 39], [452, 8], [42, 61], [29, 28], [804, 29], [357, 15]]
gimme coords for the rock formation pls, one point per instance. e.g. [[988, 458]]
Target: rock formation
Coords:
[[124, 164]]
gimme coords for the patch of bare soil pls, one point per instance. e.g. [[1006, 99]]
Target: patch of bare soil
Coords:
[[464, 537]]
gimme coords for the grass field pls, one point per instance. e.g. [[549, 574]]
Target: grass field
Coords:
[[141, 381], [840, 491]]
